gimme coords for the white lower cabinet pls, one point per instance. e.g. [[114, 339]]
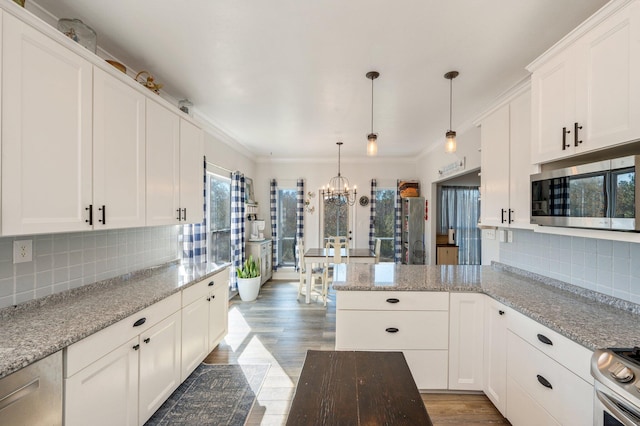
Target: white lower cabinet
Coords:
[[495, 353], [204, 319], [416, 323], [123, 373], [544, 376], [466, 331]]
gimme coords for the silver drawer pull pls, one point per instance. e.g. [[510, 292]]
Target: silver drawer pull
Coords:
[[20, 393]]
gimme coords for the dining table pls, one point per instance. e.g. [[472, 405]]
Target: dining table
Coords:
[[319, 255]]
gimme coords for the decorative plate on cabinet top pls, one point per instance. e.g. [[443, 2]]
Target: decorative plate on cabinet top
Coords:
[[364, 201]]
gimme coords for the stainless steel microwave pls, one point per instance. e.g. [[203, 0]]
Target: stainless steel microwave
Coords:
[[601, 195]]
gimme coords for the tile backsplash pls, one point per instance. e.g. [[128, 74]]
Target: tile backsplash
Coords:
[[600, 265], [66, 261]]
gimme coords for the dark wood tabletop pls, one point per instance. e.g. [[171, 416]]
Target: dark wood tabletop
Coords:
[[353, 252], [356, 388]]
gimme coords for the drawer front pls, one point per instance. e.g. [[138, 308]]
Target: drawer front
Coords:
[[374, 330], [571, 355], [204, 287], [569, 400], [393, 300], [522, 410], [86, 351]]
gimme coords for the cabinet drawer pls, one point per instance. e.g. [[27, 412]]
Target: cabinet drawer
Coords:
[[91, 348], [202, 288], [569, 399], [374, 330], [522, 410], [393, 300], [568, 353]]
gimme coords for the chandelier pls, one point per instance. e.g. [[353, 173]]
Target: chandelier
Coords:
[[338, 191]]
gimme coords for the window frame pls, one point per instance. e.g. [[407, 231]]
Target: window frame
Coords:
[[211, 248]]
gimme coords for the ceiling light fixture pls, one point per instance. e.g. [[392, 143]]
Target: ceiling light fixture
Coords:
[[372, 145], [450, 144], [338, 191]]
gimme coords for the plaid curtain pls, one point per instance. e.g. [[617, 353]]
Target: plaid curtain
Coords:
[[559, 199], [299, 215], [274, 221], [194, 235], [397, 235], [372, 215], [237, 223]]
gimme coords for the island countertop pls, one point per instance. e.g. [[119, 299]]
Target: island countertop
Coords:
[[591, 319], [35, 329]]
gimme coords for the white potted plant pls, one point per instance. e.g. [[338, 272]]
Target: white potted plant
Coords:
[[248, 275]]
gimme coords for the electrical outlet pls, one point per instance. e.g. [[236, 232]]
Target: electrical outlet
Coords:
[[509, 236], [490, 234], [22, 251], [501, 235]]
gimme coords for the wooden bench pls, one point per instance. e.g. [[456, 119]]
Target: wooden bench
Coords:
[[356, 388]]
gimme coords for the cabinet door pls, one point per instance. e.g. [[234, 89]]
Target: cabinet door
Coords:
[[159, 364], [495, 354], [118, 153], [520, 168], [191, 172], [195, 335], [466, 341], [609, 84], [553, 89], [218, 313], [46, 133], [163, 165], [105, 392], [494, 132]]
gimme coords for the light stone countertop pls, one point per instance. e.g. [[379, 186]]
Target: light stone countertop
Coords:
[[37, 329], [591, 319]]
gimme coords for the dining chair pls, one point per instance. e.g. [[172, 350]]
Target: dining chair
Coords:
[[316, 273], [377, 250], [338, 244]]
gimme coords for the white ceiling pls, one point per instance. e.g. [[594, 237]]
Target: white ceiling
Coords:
[[286, 78]]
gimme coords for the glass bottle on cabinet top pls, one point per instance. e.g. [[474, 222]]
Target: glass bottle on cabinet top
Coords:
[[413, 251]]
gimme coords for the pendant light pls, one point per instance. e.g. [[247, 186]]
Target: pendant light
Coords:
[[450, 144], [372, 144]]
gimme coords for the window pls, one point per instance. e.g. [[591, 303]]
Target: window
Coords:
[[286, 226], [335, 219], [385, 221], [219, 218]]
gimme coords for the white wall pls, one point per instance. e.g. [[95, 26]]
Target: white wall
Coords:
[[468, 150], [223, 155], [317, 173]]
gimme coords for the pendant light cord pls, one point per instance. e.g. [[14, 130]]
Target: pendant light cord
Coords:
[[372, 105], [450, 100]]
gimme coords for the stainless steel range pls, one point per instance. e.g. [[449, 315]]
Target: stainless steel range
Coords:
[[617, 385]]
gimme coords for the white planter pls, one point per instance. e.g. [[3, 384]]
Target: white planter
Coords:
[[248, 288]]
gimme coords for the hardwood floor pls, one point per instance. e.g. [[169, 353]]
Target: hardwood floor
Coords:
[[278, 329]]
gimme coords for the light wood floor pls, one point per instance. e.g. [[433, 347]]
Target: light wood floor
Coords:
[[278, 329]]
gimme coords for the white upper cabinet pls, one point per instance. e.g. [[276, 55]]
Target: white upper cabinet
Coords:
[[118, 154], [506, 167], [46, 133], [191, 172], [587, 95], [163, 165]]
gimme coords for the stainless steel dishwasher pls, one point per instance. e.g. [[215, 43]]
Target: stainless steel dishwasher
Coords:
[[33, 395]]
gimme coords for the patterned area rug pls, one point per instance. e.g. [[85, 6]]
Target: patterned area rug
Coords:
[[214, 394]]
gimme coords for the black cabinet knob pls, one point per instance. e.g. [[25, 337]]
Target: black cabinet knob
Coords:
[[544, 339], [147, 340], [500, 312], [544, 382], [392, 330], [393, 300], [139, 322], [136, 347]]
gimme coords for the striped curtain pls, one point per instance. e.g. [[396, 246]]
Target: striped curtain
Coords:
[[397, 235], [460, 210], [194, 235], [372, 215], [273, 185], [299, 215], [237, 223]]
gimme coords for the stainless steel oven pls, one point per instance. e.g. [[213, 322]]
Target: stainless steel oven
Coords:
[[617, 386], [601, 195]]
